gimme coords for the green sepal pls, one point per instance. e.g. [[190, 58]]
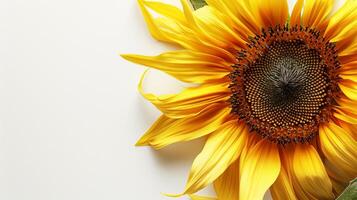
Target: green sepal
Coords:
[[198, 3], [350, 192]]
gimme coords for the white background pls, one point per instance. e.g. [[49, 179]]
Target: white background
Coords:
[[70, 112]]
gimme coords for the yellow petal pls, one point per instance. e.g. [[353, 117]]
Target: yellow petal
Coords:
[[240, 12], [316, 12], [219, 29], [350, 75], [152, 25], [338, 178], [350, 40], [339, 24], [166, 131], [227, 185], [346, 115], [287, 158], [185, 65], [195, 197], [339, 148], [252, 141], [188, 38], [346, 104], [347, 59], [338, 187], [310, 172], [190, 101], [336, 173], [272, 13], [348, 68], [166, 10], [296, 14], [349, 88], [203, 30], [194, 25], [174, 27], [351, 129], [220, 151], [282, 189], [260, 169]]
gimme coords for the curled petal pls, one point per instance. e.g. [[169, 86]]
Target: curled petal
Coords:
[[189, 102], [166, 131], [196, 197], [185, 65]]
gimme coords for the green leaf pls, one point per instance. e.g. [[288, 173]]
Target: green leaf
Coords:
[[350, 192], [198, 3]]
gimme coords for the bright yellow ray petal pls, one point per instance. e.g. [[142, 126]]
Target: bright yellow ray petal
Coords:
[[166, 10], [287, 157], [282, 189], [189, 102], [221, 149], [192, 21], [196, 26], [349, 88], [271, 13], [350, 75], [340, 23], [185, 65], [316, 12], [351, 42], [339, 148], [346, 104], [296, 14], [176, 27], [196, 197], [219, 27], [228, 11], [189, 39], [252, 140], [351, 129], [208, 28], [240, 12], [310, 172], [166, 131], [227, 185], [348, 69], [260, 169], [152, 25], [346, 115], [339, 178], [338, 187]]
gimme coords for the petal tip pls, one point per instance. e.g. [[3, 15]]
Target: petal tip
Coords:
[[142, 142], [173, 195]]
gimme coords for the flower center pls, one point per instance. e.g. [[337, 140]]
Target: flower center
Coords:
[[287, 85], [284, 83]]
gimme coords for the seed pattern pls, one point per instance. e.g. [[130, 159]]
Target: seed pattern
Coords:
[[284, 83]]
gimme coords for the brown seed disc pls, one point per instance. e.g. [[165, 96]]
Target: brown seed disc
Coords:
[[284, 83]]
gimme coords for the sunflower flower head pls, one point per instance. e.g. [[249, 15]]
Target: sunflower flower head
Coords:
[[276, 95]]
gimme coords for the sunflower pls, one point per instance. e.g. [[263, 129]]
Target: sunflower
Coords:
[[275, 95]]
